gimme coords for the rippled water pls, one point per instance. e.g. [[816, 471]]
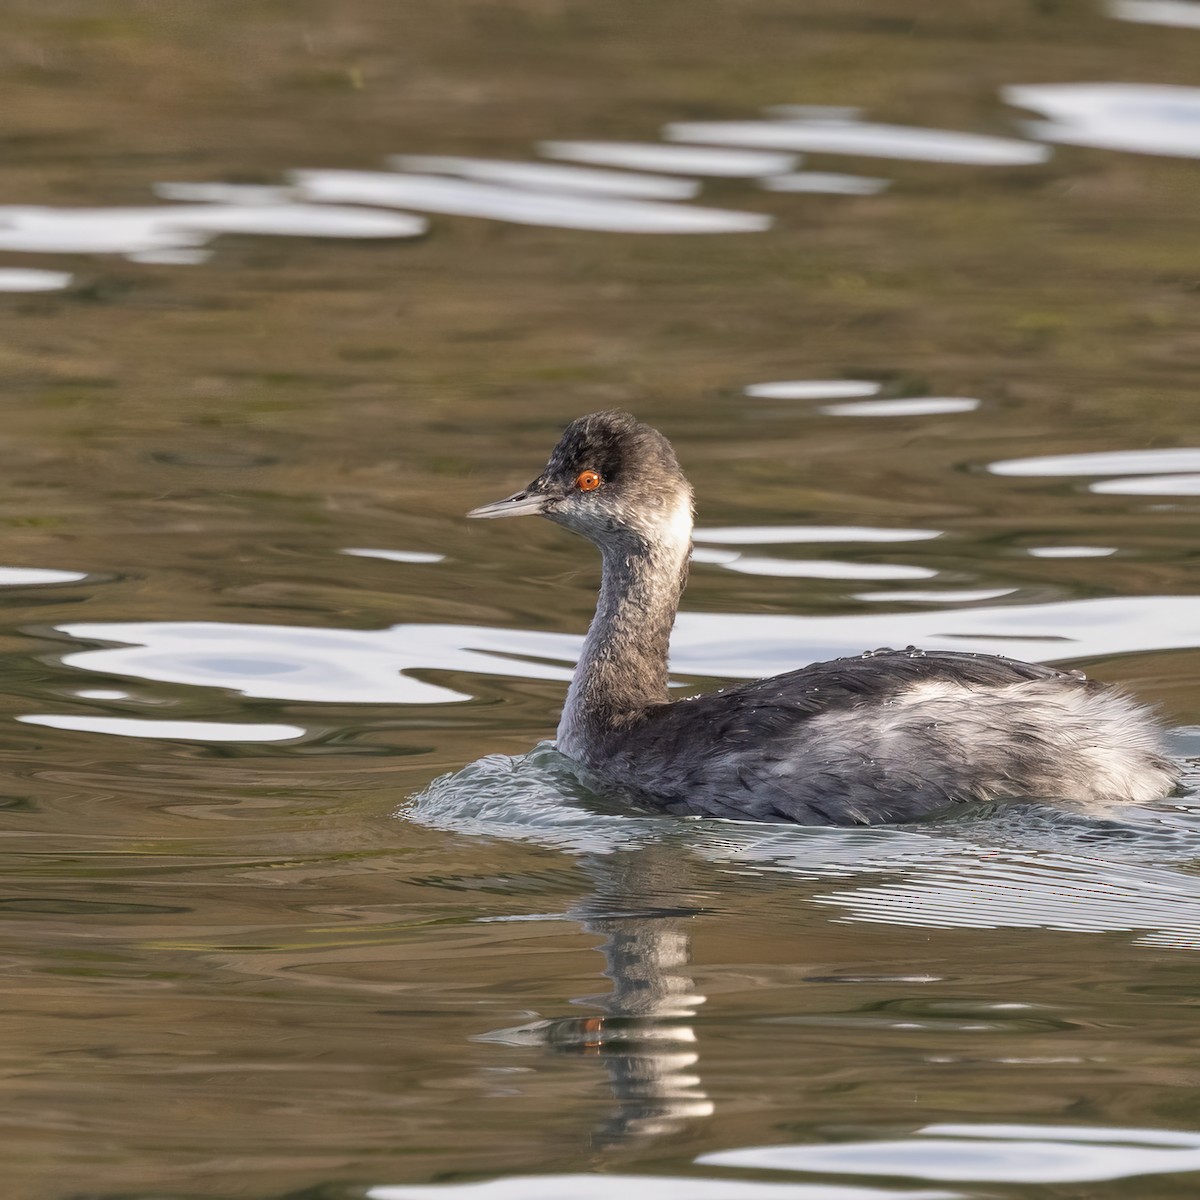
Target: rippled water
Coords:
[[298, 901]]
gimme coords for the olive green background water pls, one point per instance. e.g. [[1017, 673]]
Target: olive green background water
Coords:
[[230, 969]]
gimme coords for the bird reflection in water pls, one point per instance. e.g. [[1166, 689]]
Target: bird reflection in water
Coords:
[[641, 1031]]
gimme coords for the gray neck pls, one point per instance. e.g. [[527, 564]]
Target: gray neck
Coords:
[[623, 668]]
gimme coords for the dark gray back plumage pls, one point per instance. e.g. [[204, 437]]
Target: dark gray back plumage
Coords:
[[764, 757]]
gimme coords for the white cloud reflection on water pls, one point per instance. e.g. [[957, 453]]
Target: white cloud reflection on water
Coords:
[[522, 206], [591, 197], [834, 135], [816, 568], [639, 1187], [1183, 14], [713, 556], [190, 731], [949, 596], [1071, 551], [1104, 462], [1143, 118], [185, 226], [89, 231], [916, 406], [982, 1153], [687, 160], [18, 279], [1122, 463], [321, 666], [331, 666], [36, 576], [550, 177], [850, 390], [400, 556], [813, 389], [1153, 485], [767, 535], [1153, 119]]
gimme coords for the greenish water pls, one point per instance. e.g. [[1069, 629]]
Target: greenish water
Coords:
[[240, 959]]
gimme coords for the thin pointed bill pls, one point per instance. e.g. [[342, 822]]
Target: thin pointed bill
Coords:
[[521, 504]]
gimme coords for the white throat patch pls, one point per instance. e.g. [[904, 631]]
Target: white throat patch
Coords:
[[677, 529]]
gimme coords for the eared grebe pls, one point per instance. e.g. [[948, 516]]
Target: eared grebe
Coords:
[[891, 736]]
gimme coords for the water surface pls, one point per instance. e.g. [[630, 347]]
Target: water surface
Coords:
[[295, 902]]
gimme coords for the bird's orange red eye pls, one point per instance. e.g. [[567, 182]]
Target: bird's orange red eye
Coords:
[[588, 481]]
